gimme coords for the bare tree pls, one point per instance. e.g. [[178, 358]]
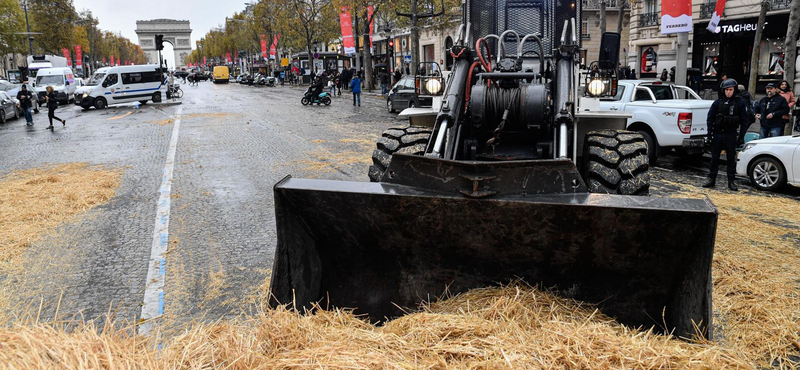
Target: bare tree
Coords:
[[790, 45], [762, 17], [414, 17]]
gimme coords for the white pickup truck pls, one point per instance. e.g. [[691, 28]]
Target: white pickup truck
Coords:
[[668, 116]]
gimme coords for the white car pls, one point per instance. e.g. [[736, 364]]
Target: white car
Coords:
[[668, 116], [771, 163]]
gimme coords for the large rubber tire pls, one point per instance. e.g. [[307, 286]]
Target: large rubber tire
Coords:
[[326, 100], [390, 106], [305, 101], [616, 162], [156, 97], [404, 140], [2, 116], [100, 103]]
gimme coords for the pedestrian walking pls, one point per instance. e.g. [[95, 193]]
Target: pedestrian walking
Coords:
[[25, 99], [52, 105], [384, 77], [397, 75], [726, 125], [664, 75], [355, 87], [786, 92], [770, 111]]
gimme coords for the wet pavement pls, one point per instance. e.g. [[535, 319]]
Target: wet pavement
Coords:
[[234, 143]]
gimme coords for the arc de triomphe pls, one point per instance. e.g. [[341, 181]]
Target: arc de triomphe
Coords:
[[176, 32]]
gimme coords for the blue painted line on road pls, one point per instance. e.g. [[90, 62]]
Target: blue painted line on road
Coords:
[[161, 303], [164, 237], [163, 268]]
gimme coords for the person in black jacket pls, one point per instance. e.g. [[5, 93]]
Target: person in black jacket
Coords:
[[25, 99], [52, 104], [727, 120], [770, 111]]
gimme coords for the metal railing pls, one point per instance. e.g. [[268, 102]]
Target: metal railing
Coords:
[[779, 4], [648, 19], [595, 4]]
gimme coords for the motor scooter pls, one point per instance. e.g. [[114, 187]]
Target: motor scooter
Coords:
[[323, 97]]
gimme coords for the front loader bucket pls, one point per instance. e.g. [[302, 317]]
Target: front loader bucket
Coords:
[[376, 247]]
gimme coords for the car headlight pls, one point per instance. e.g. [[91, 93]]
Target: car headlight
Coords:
[[87, 92], [748, 146], [433, 86]]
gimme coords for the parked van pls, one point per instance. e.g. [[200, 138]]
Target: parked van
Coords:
[[221, 74], [122, 84], [61, 79]]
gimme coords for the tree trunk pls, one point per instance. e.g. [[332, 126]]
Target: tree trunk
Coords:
[[751, 86], [414, 38], [367, 53], [602, 18], [355, 40], [624, 58], [790, 45]]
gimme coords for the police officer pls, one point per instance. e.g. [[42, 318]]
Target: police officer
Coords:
[[727, 120]]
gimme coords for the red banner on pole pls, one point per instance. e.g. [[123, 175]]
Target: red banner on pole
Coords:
[[264, 46], [65, 51], [78, 57], [228, 57], [236, 55], [347, 30], [104, 60], [713, 24], [204, 60], [370, 10], [112, 60], [273, 49], [676, 16]]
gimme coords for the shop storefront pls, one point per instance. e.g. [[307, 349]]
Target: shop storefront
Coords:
[[728, 51]]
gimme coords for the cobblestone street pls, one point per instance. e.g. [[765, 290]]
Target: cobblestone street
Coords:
[[234, 143]]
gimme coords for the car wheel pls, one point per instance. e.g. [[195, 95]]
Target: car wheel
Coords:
[[411, 104], [100, 103], [156, 97], [2, 116], [390, 105], [651, 146], [142, 102], [767, 173]]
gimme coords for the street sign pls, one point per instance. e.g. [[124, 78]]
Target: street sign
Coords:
[[407, 58], [316, 55], [284, 62]]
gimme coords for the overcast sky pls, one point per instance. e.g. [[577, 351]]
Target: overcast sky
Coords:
[[121, 16]]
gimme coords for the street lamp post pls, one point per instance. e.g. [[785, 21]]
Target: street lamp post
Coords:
[[28, 26]]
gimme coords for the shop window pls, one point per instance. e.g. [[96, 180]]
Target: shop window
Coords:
[[649, 59], [770, 61], [710, 59]]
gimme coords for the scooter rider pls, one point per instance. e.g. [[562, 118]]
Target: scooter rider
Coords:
[[316, 88], [727, 123]]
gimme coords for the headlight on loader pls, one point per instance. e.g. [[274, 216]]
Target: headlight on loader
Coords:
[[433, 86], [596, 87]]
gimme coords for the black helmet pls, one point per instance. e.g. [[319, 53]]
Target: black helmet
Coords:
[[730, 83]]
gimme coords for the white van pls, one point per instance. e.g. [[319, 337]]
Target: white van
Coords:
[[122, 84], [61, 79]]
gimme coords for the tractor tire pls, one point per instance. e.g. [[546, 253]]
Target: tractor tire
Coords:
[[403, 140], [616, 162]]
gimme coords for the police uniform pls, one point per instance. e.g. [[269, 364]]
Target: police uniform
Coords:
[[727, 123]]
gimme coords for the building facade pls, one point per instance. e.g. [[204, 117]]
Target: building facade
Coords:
[[590, 28], [726, 50]]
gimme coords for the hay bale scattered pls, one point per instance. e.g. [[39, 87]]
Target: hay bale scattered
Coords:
[[514, 327]]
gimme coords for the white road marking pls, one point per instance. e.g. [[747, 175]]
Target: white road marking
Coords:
[[153, 306]]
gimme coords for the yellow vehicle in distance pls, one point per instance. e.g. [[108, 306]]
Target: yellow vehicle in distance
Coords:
[[221, 74]]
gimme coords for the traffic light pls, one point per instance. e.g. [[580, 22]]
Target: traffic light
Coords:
[[391, 47], [159, 42]]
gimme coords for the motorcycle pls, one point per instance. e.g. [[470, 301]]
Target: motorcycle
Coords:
[[270, 81], [323, 97]]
